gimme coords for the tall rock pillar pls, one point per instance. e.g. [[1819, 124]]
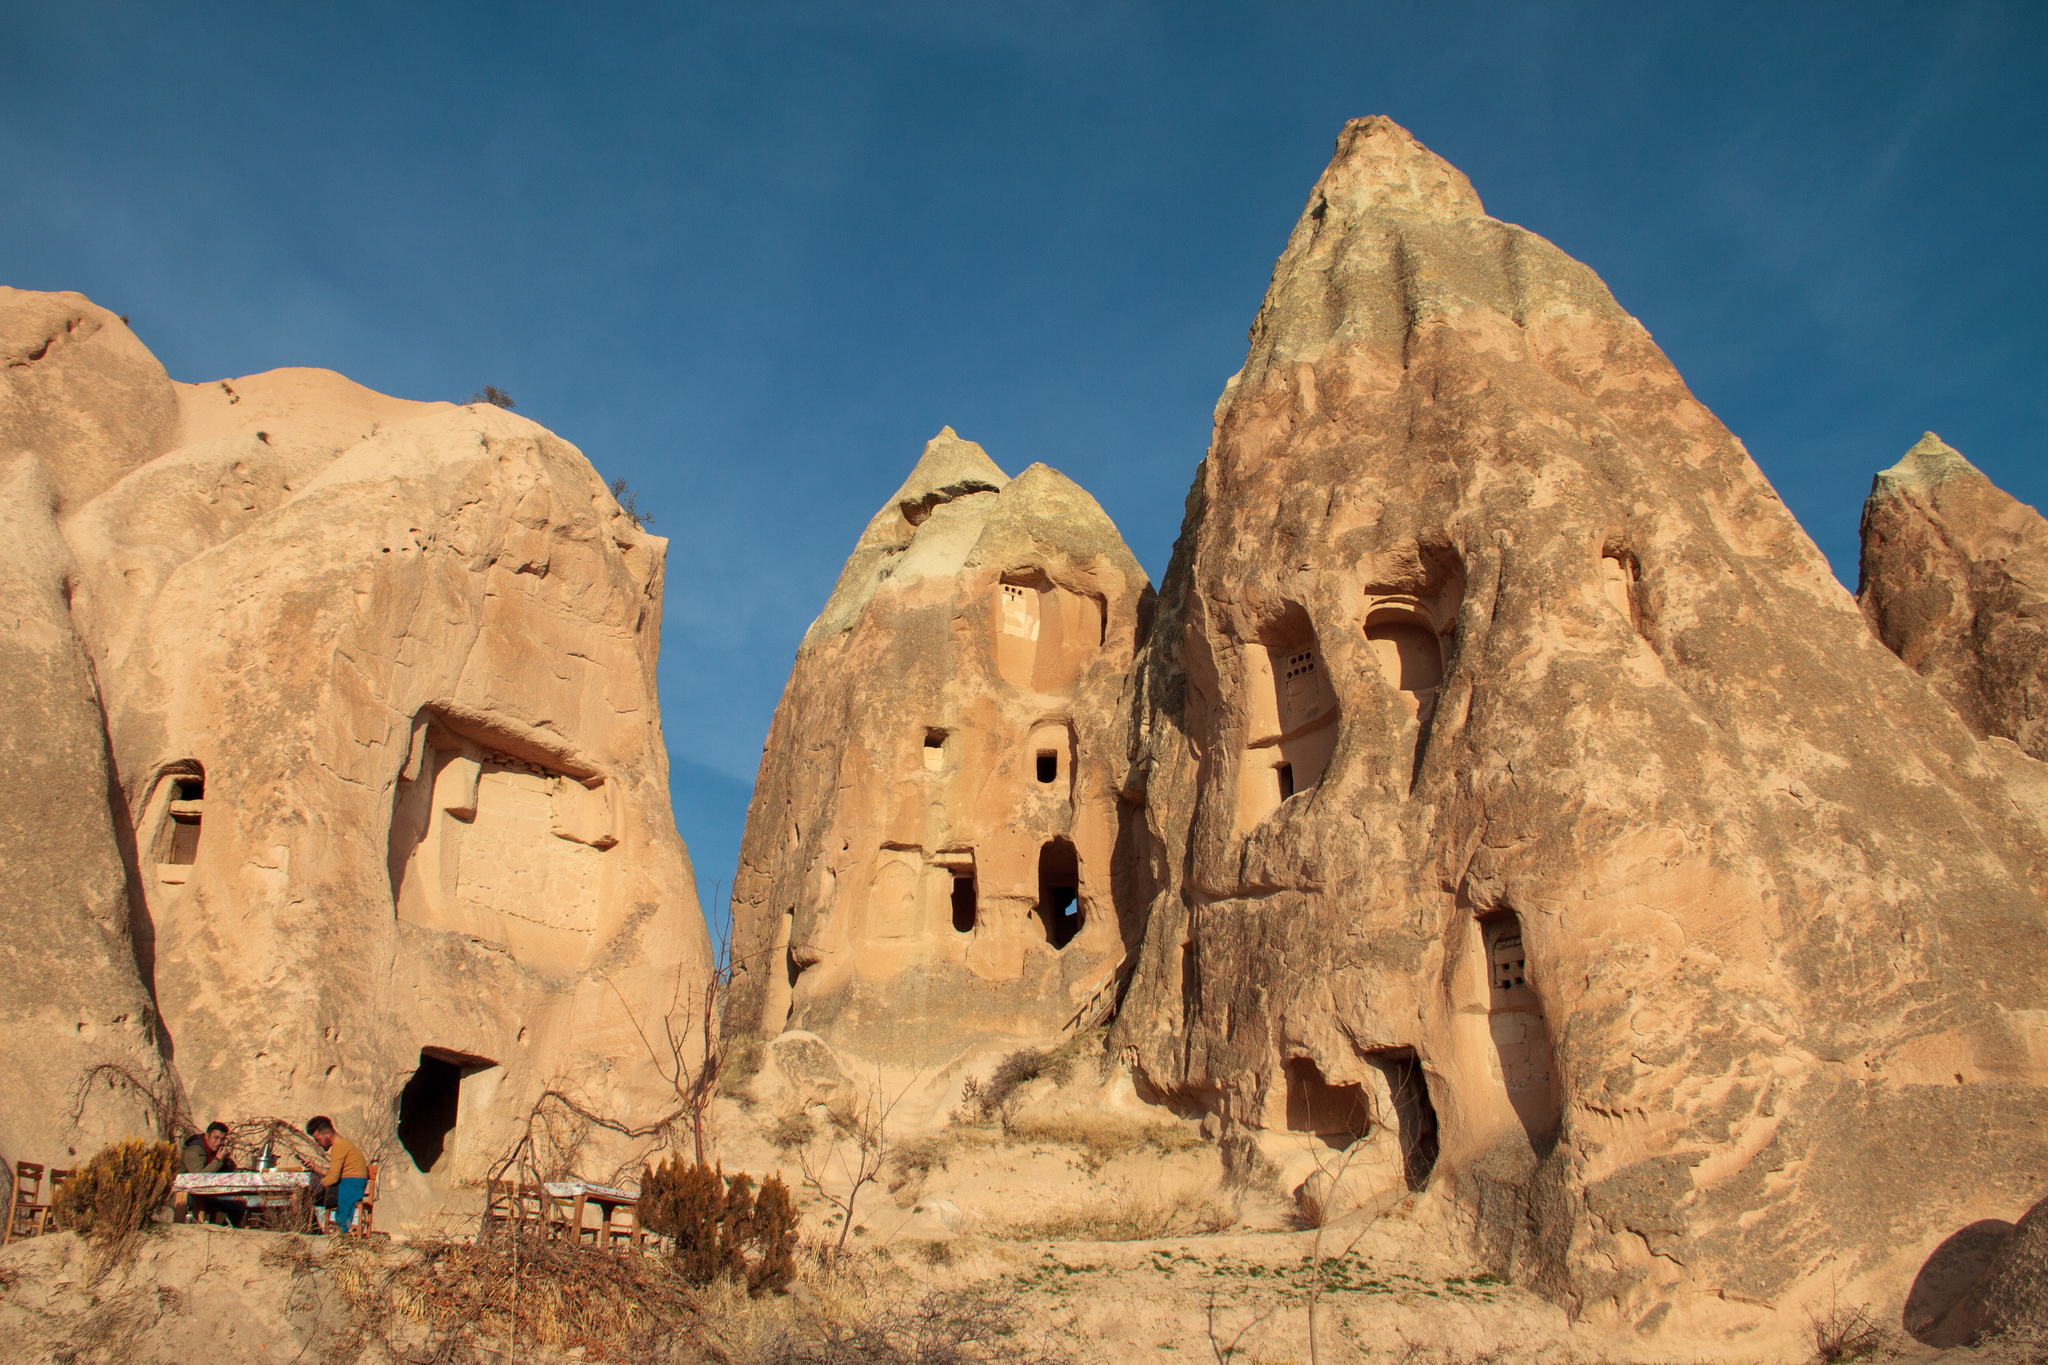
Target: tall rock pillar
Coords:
[[937, 854], [1535, 801]]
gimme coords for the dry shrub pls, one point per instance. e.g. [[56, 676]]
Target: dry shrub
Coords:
[[454, 1301], [1846, 1333], [791, 1131], [120, 1191], [713, 1219]]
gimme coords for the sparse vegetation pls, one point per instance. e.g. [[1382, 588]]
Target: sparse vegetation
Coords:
[[629, 503], [119, 1192], [495, 396], [791, 1131], [715, 1218], [983, 1101], [859, 1144], [1129, 1215], [1844, 1333]]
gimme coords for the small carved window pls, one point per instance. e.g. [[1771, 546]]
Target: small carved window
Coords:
[[1048, 766], [1510, 964], [1285, 772]]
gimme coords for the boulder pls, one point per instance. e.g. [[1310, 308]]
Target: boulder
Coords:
[[1955, 582]]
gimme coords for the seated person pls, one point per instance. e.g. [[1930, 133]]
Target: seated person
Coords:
[[341, 1186], [207, 1154]]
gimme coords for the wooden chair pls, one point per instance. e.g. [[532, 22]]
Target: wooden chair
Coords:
[[57, 1179], [27, 1215], [366, 1211], [518, 1207]]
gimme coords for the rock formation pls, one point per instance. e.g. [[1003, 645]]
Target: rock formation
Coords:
[[936, 854], [378, 811], [1530, 804], [1955, 582]]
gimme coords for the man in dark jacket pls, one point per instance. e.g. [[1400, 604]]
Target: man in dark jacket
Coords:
[[207, 1154]]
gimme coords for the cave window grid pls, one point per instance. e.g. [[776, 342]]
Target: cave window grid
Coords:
[[1510, 963]]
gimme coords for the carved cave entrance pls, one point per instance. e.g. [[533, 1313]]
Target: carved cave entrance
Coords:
[[1521, 1036], [1410, 655], [1338, 1114], [1290, 717], [430, 1106], [1044, 633], [1414, 1115], [1059, 892], [175, 847]]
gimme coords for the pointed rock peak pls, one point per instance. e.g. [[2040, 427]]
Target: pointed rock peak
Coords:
[[1044, 506], [1379, 165], [1042, 487], [949, 468], [1928, 463]]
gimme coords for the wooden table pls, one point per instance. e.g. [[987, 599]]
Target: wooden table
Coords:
[[255, 1188], [578, 1193]]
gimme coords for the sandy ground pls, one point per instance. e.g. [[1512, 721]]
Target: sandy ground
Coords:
[[1111, 1251]]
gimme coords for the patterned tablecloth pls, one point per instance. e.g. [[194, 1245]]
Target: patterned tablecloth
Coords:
[[242, 1182], [604, 1194]]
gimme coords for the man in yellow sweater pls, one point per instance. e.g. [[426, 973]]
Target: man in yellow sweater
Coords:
[[347, 1174]]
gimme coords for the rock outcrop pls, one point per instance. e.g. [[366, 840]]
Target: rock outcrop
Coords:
[[347, 710], [1955, 582], [1521, 784], [81, 401], [936, 854]]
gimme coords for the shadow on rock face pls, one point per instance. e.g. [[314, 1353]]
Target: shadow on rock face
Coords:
[[1956, 1265]]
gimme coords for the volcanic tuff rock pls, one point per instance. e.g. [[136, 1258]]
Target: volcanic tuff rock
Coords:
[[1520, 782], [380, 766], [1955, 582], [936, 854]]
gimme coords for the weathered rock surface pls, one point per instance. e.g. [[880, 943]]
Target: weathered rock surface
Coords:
[[1518, 779], [380, 778], [936, 854], [1955, 582]]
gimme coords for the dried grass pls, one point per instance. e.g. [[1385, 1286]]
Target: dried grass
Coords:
[[1100, 1141], [1129, 1215], [447, 1301]]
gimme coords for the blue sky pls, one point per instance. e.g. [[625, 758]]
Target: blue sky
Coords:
[[749, 257]]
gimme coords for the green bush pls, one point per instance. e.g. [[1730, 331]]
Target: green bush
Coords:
[[714, 1219], [119, 1191]]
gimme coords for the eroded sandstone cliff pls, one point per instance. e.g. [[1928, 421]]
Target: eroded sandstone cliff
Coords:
[[1526, 795], [380, 755]]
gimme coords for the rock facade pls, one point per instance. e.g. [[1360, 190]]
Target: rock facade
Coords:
[[937, 854], [1522, 787], [1954, 580], [381, 754]]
